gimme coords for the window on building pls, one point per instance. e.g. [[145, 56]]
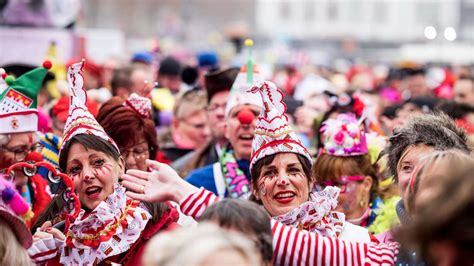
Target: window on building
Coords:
[[310, 10], [427, 12], [380, 12], [285, 10], [333, 12]]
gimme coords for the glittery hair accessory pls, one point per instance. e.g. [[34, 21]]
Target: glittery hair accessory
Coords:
[[139, 104], [343, 136], [80, 120]]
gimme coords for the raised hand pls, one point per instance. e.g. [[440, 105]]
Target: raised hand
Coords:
[[46, 242], [161, 184]]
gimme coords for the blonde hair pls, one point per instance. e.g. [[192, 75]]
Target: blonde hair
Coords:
[[189, 103], [192, 246], [11, 251]]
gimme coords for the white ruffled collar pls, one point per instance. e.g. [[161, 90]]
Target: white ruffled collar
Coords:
[[317, 215], [110, 229]]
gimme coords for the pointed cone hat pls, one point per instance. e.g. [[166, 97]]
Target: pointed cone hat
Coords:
[[273, 134], [80, 120]]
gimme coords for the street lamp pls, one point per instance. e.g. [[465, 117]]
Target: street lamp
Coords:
[[450, 34], [430, 32]]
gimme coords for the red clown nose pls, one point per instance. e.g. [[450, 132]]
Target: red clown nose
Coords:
[[245, 116]]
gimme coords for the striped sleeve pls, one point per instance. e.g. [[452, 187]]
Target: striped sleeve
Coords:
[[196, 203], [44, 249], [294, 247]]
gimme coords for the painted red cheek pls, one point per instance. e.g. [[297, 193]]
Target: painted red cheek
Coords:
[[104, 170]]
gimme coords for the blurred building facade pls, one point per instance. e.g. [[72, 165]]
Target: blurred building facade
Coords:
[[394, 21]]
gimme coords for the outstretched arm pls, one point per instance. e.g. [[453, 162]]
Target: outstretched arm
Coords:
[[161, 184], [292, 246]]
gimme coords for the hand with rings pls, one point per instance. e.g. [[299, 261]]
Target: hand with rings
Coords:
[[161, 184]]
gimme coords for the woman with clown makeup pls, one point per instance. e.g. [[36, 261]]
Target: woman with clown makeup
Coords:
[[110, 226], [305, 228]]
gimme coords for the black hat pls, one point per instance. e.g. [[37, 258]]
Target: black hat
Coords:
[[189, 75], [169, 66], [425, 103], [18, 69], [219, 80]]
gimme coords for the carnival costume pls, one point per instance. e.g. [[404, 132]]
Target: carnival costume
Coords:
[[19, 114], [117, 229], [230, 177]]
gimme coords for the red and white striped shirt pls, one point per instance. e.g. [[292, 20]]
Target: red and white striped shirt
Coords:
[[294, 247]]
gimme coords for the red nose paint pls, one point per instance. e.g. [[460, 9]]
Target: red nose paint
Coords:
[[245, 116]]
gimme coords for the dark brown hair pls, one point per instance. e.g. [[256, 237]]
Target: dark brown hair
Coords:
[[331, 168], [121, 79], [90, 142], [126, 127], [246, 217], [257, 169]]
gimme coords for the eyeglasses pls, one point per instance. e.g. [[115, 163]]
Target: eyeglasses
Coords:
[[138, 152], [215, 107], [344, 182], [22, 151], [197, 126]]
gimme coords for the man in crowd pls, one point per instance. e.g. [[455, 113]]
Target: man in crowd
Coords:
[[464, 90], [229, 177], [189, 129], [217, 84]]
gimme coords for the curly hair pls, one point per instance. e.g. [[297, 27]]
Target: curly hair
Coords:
[[436, 130], [125, 126]]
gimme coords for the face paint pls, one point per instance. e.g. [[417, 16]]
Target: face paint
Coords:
[[30, 139], [102, 173], [261, 189], [103, 170]]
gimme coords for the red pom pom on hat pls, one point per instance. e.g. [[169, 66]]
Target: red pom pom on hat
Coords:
[[47, 64], [245, 116]]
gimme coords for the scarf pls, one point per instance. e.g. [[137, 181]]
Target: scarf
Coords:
[[402, 214], [235, 180], [110, 229], [317, 215]]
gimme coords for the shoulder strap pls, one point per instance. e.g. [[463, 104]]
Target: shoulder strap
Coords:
[[219, 180]]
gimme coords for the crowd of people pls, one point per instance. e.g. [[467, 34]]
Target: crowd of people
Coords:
[[194, 162]]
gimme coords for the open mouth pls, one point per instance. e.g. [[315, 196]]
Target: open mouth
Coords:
[[246, 137], [93, 192], [284, 197]]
